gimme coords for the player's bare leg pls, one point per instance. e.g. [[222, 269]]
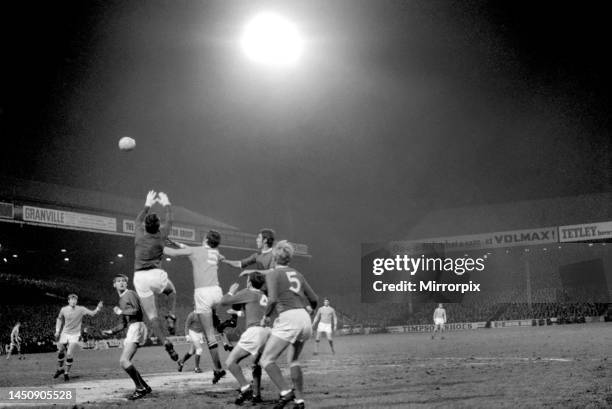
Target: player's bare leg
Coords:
[[195, 350], [69, 359], [232, 363], [61, 355], [221, 326], [148, 305], [316, 346], [296, 370], [273, 349], [257, 378], [125, 361], [150, 309], [196, 358], [10, 351], [209, 333], [170, 292], [185, 358]]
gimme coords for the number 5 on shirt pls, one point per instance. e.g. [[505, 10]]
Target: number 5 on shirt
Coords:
[[293, 280]]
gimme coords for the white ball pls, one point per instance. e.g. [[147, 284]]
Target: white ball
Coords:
[[126, 143]]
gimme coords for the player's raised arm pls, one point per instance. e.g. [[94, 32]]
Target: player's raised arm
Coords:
[[247, 272], [183, 251], [166, 227], [233, 263], [235, 297], [91, 313], [148, 203], [245, 262]]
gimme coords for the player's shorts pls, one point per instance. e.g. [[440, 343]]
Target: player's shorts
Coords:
[[149, 282], [206, 298], [69, 338], [293, 325], [137, 332], [438, 321], [323, 327], [253, 339], [196, 338]]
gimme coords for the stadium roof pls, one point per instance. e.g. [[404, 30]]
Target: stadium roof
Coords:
[[21, 190], [512, 216]]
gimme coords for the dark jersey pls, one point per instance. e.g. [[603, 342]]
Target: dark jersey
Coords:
[[261, 261], [131, 310], [287, 290], [149, 248], [192, 322], [254, 302]]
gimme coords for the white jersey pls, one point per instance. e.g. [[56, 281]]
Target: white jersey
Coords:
[[72, 318], [15, 334], [327, 315], [440, 315]]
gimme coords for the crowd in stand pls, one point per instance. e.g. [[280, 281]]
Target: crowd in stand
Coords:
[[563, 305], [38, 325]]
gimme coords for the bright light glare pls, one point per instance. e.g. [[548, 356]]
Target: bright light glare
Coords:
[[271, 39]]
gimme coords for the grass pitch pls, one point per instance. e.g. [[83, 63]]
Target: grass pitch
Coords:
[[538, 367]]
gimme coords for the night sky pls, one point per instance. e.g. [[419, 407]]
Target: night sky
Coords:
[[397, 108]]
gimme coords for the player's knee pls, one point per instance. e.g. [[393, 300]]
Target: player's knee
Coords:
[[294, 364], [265, 361], [69, 360], [212, 345], [199, 351], [125, 363]]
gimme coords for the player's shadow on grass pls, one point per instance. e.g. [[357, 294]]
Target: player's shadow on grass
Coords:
[[388, 401], [230, 396], [442, 383]]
